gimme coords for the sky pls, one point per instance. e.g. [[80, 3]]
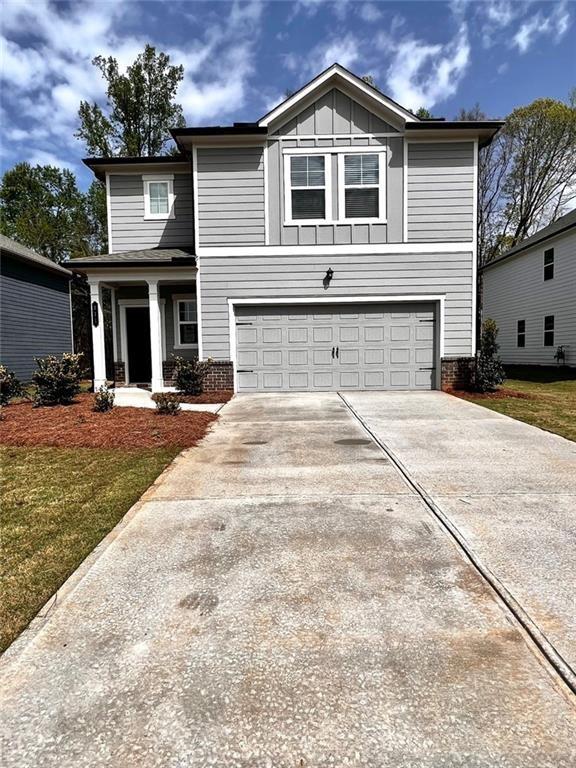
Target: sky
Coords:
[[241, 57]]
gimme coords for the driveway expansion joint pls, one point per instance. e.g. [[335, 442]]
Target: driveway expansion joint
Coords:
[[539, 641]]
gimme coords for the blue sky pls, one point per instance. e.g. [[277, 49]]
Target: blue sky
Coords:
[[240, 57]]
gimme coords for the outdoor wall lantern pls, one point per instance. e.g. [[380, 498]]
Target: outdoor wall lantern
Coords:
[[95, 318], [328, 277]]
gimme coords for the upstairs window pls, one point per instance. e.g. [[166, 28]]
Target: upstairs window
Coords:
[[521, 333], [158, 197], [306, 196], [549, 331], [361, 186], [549, 264], [185, 322]]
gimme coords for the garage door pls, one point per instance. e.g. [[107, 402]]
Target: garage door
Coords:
[[334, 347]]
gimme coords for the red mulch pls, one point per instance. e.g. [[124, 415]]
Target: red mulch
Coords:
[[218, 396], [500, 394], [78, 426]]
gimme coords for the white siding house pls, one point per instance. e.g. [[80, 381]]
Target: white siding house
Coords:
[[530, 292]]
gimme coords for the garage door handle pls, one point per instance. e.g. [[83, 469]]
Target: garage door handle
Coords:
[[333, 350], [427, 369], [337, 351]]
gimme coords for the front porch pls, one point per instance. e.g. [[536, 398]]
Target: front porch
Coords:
[[140, 321]]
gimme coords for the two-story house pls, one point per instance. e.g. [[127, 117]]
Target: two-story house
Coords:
[[530, 291], [329, 245]]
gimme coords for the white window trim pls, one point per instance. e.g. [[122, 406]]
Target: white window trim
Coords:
[[381, 218], [176, 298], [288, 220], [167, 178]]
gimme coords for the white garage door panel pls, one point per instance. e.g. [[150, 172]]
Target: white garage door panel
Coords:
[[326, 347]]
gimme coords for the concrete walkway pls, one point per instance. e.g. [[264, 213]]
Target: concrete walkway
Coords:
[[136, 397], [508, 487], [282, 598]]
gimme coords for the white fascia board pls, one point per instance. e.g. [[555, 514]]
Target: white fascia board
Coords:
[[95, 275], [355, 83], [334, 250], [375, 299]]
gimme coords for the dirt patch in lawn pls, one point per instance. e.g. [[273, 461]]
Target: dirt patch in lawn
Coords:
[[500, 394], [78, 426], [219, 396]]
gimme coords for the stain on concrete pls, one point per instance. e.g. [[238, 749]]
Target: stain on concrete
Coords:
[[202, 602]]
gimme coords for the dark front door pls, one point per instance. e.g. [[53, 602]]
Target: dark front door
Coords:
[[138, 338]]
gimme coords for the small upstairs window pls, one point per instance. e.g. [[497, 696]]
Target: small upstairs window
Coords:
[[306, 196], [158, 197], [549, 331], [521, 333], [361, 187], [549, 264]]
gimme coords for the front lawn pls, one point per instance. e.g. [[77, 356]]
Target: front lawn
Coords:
[[542, 396], [68, 475]]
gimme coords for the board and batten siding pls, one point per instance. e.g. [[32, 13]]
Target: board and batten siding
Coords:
[[287, 277], [440, 191], [131, 231], [389, 231], [230, 189], [34, 315], [516, 290]]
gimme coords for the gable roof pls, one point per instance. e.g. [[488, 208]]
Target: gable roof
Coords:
[[564, 223], [333, 75], [27, 254], [149, 257]]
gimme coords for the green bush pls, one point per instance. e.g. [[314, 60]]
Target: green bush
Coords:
[[103, 399], [167, 403], [489, 371], [57, 379], [10, 387], [189, 375]]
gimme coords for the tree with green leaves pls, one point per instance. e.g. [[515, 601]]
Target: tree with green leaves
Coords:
[[423, 113], [42, 208], [140, 108]]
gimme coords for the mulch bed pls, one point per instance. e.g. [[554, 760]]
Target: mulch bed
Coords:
[[219, 396], [500, 394], [78, 426]]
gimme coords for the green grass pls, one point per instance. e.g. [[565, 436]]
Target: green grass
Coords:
[[552, 402], [56, 505]]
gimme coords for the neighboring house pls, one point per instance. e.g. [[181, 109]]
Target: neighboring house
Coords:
[[530, 291], [35, 314], [329, 245]]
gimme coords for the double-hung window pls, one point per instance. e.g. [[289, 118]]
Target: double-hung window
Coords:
[[361, 187], [306, 196], [521, 333], [549, 331], [549, 264], [185, 322], [158, 197]]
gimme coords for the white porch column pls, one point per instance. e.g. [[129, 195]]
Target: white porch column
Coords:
[[97, 316], [155, 336]]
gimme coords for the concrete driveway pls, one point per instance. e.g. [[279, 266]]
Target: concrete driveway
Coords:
[[283, 597]]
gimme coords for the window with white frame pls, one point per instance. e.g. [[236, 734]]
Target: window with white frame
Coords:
[[361, 182], [306, 185], [185, 322], [158, 197]]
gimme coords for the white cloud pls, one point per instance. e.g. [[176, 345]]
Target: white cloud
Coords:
[[554, 25], [369, 12], [422, 74], [42, 157]]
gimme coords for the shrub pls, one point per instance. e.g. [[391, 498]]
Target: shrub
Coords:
[[103, 399], [10, 387], [57, 379], [167, 403], [489, 371], [189, 375]]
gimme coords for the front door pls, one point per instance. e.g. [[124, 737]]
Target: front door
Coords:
[[138, 342]]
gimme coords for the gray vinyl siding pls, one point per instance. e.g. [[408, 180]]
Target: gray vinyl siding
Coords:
[[166, 293], [34, 315], [230, 183], [440, 200], [516, 290], [336, 234], [363, 274], [131, 232], [334, 112]]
